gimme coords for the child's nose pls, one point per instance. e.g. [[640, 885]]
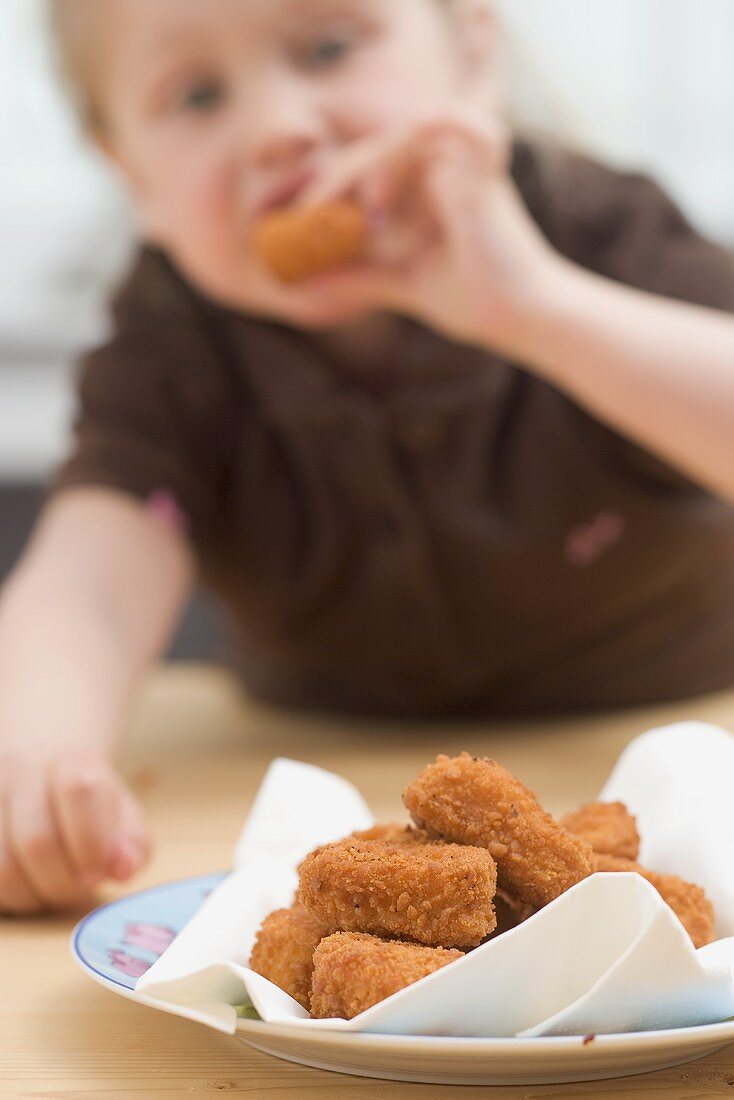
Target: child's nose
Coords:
[[284, 149], [288, 129]]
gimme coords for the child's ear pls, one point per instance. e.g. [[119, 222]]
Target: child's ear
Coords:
[[477, 32]]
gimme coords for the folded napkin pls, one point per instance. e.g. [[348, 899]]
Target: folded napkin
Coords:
[[607, 956]]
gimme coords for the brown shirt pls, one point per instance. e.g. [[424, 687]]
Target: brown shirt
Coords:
[[462, 538]]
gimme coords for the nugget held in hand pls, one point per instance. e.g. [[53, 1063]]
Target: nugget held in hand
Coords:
[[471, 801], [688, 901], [353, 971], [283, 951], [295, 244], [438, 894], [608, 827]]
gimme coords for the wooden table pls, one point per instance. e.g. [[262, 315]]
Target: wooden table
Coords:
[[196, 755]]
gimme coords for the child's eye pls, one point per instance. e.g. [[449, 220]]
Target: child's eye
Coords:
[[203, 96], [327, 51]]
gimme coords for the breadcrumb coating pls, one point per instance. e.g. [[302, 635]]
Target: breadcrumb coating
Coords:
[[283, 950], [438, 894], [688, 901], [295, 244], [609, 828], [395, 833], [468, 800], [353, 971], [389, 905]]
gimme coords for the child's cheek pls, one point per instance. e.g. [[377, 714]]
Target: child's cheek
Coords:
[[385, 95], [208, 197]]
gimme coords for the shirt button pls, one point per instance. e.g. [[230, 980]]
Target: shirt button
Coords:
[[420, 432]]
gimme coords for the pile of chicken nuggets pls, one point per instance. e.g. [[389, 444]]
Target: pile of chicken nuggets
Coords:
[[381, 909]]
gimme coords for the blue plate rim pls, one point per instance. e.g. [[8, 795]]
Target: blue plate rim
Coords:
[[79, 927]]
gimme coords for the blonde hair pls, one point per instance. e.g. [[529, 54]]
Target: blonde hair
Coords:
[[72, 23]]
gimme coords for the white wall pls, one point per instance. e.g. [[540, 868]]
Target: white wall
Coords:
[[64, 234], [643, 82], [63, 222], [647, 83]]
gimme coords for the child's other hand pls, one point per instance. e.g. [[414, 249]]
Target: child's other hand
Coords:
[[67, 821], [453, 243]]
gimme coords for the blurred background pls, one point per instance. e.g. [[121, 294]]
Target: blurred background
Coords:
[[647, 84]]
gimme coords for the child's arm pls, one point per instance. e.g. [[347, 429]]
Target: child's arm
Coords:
[[91, 604], [657, 371]]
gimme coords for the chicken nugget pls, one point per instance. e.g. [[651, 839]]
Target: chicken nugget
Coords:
[[295, 244], [438, 894], [688, 901], [609, 828], [283, 950], [395, 834], [353, 971], [469, 800]]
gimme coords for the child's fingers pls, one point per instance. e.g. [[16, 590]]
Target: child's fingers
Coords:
[[375, 169], [456, 199], [457, 136], [83, 799], [382, 188], [16, 896], [390, 175], [395, 152], [100, 820], [35, 842], [410, 195], [483, 115], [132, 846], [349, 167], [350, 289]]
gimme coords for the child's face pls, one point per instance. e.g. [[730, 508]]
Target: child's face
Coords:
[[218, 109]]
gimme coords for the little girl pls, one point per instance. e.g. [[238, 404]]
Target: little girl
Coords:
[[483, 471]]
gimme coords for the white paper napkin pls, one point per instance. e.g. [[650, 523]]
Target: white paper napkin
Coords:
[[607, 956]]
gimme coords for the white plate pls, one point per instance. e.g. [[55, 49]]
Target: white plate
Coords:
[[119, 941], [487, 1061]]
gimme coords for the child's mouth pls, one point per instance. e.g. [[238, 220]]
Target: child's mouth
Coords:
[[286, 192]]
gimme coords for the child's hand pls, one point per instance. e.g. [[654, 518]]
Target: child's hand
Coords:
[[67, 821], [453, 243]]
